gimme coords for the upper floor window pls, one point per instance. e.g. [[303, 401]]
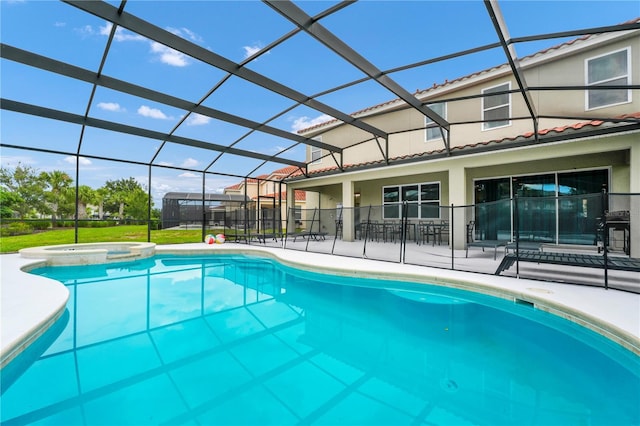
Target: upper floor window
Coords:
[[433, 130], [316, 153], [608, 70], [496, 109]]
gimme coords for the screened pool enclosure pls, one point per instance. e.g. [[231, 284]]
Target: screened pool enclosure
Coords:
[[191, 98]]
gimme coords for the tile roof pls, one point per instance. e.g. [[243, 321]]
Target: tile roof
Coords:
[[286, 171], [249, 180], [235, 186], [525, 136], [423, 92], [298, 194]]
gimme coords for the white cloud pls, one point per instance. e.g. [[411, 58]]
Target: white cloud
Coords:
[[60, 24], [198, 120], [169, 56], [161, 187], [250, 50], [146, 111], [305, 122], [121, 34], [85, 31], [164, 163], [185, 33], [189, 162], [163, 53], [82, 160], [110, 106], [188, 175], [11, 161]]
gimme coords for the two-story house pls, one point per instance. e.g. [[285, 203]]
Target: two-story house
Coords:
[[269, 193], [577, 141]]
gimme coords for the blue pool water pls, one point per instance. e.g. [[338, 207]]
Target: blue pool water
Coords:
[[244, 340]]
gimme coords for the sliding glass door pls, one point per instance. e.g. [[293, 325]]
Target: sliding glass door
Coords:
[[580, 206], [536, 207], [554, 207], [493, 209]]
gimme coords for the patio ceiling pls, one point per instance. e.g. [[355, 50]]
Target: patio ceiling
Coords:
[[247, 103]]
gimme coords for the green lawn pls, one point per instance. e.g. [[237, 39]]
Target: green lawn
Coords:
[[91, 235]]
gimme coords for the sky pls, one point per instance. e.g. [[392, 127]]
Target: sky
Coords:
[[388, 34]]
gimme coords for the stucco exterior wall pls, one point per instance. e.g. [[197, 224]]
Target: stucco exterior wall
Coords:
[[561, 68]]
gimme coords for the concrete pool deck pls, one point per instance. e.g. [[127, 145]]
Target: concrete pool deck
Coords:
[[30, 304]]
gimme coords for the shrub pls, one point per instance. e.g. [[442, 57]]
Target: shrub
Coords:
[[40, 225], [16, 228], [101, 223]]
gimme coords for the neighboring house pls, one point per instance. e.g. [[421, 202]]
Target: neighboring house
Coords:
[[585, 139], [270, 195]]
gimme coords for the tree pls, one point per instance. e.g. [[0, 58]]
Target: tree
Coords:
[[26, 184], [86, 195], [9, 202], [126, 194], [58, 195], [137, 204], [100, 196]]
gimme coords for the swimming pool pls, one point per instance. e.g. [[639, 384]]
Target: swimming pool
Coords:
[[234, 339]]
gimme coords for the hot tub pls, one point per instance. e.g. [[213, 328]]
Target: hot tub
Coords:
[[90, 253]]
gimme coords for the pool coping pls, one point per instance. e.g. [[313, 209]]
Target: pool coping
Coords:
[[30, 304]]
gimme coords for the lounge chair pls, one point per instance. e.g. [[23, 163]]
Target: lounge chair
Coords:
[[570, 259], [494, 244]]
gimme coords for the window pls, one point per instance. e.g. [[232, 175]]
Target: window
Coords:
[[316, 153], [423, 200], [608, 70], [297, 214], [433, 130], [496, 109]]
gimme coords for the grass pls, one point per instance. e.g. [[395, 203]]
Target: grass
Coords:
[[92, 235]]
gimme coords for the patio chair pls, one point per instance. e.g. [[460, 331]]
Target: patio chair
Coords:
[[439, 230], [391, 230], [471, 242], [424, 231]]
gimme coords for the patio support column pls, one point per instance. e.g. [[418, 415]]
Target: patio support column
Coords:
[[634, 202], [457, 197], [291, 205], [347, 210]]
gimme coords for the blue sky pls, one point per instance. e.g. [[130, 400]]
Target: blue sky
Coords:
[[387, 33]]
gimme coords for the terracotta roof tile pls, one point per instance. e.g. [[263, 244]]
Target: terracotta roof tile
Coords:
[[298, 194], [285, 170]]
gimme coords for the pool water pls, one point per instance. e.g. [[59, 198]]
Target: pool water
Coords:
[[230, 339]]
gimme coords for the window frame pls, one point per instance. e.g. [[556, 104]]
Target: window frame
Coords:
[[315, 150], [429, 124], [485, 125], [628, 75], [418, 203]]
